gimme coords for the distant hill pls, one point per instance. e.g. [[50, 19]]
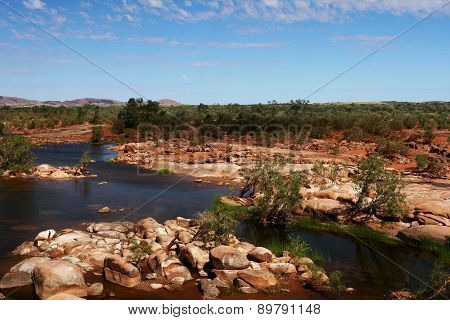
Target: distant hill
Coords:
[[169, 102], [11, 101], [19, 102]]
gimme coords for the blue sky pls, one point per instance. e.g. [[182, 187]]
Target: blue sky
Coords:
[[225, 51]]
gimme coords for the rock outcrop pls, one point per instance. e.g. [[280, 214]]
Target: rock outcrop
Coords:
[[58, 276], [118, 270], [119, 250], [228, 258]]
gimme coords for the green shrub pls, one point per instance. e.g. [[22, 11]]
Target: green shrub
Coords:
[[118, 126], [84, 162], [323, 172], [280, 195], [16, 154], [389, 148], [435, 166], [386, 187], [356, 135], [217, 226], [97, 134], [422, 161], [2, 128], [164, 171], [429, 134], [335, 281], [139, 251]]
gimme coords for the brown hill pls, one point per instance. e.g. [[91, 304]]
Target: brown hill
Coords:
[[19, 102], [169, 102]]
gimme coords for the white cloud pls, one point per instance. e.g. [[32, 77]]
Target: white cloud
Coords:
[[362, 38], [128, 6], [244, 44], [202, 64], [60, 20], [147, 40], [286, 11], [184, 77], [155, 3], [271, 3], [107, 36], [130, 18], [34, 4]]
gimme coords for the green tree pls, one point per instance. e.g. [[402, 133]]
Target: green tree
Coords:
[[280, 194], [84, 162], [16, 154], [97, 134], [217, 226], [429, 134], [384, 186], [136, 112]]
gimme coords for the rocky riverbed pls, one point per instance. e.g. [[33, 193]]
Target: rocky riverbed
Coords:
[[57, 263], [48, 172], [428, 199]]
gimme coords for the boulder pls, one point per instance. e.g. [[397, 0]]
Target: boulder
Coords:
[[428, 218], [228, 258], [58, 276], [104, 210], [64, 296], [175, 270], [164, 239], [259, 279], [118, 270], [208, 288], [185, 237], [244, 287], [281, 268], [74, 236], [95, 289], [59, 174], [15, 279], [107, 226], [316, 206], [177, 281], [121, 279], [118, 263], [304, 260], [26, 249], [260, 254], [432, 232], [244, 247], [194, 256], [28, 265], [226, 276], [45, 235], [146, 227], [183, 222], [156, 286], [435, 207], [236, 202]]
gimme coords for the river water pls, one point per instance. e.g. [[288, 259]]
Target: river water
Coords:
[[28, 206]]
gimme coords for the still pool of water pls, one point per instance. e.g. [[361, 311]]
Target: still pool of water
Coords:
[[28, 206]]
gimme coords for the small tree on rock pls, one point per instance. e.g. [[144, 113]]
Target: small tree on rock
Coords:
[[84, 162], [384, 187]]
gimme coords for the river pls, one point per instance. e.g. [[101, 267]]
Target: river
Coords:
[[28, 206]]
